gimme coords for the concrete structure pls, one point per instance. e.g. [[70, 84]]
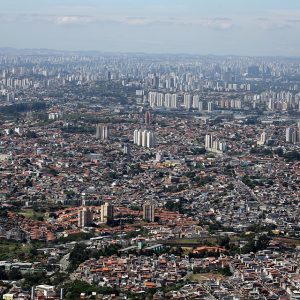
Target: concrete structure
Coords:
[[102, 132], [148, 211], [85, 217], [107, 213], [144, 138]]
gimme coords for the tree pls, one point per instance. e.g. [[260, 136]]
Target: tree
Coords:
[[75, 288], [224, 242], [14, 274], [32, 279], [3, 275], [254, 245]]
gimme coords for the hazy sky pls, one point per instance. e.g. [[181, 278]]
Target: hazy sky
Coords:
[[246, 27]]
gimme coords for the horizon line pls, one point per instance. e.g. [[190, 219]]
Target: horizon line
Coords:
[[146, 53]]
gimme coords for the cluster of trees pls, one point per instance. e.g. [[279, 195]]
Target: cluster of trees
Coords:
[[175, 206], [23, 107], [199, 180], [135, 169], [31, 135], [10, 275], [292, 156], [261, 151], [252, 182], [175, 188], [81, 253], [165, 250], [133, 234], [75, 288], [257, 228], [198, 151], [75, 237], [254, 245], [289, 156], [28, 280], [205, 180], [78, 129]]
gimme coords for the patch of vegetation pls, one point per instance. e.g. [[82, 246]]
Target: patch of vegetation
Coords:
[[81, 253]]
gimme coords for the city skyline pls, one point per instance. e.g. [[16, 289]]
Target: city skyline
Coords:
[[191, 27]]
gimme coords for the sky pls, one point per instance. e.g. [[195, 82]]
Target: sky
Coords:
[[220, 27]]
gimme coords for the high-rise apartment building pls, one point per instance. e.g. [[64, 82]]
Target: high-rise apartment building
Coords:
[[107, 213], [187, 101], [148, 211], [200, 106], [195, 102], [102, 132], [148, 118], [208, 141], [215, 145], [210, 106], [85, 217], [144, 138], [292, 135], [263, 139]]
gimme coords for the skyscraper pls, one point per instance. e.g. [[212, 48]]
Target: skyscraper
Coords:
[[144, 138], [148, 118], [150, 139], [215, 145], [85, 217], [200, 105], [152, 97], [148, 211], [107, 213], [210, 106], [263, 139], [168, 100], [196, 101], [187, 100], [292, 135], [102, 131], [208, 141], [174, 101]]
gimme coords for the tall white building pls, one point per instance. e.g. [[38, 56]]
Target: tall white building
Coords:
[[271, 104], [152, 96], [148, 211], [200, 105], [168, 100], [85, 217], [263, 139], [196, 101], [210, 106], [137, 137], [144, 138], [292, 135], [160, 100], [150, 139], [102, 131], [187, 101], [208, 141], [174, 101], [215, 145]]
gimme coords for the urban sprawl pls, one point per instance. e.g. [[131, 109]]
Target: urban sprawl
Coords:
[[134, 176]]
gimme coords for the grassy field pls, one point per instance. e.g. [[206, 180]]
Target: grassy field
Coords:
[[205, 276], [30, 213], [10, 250]]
